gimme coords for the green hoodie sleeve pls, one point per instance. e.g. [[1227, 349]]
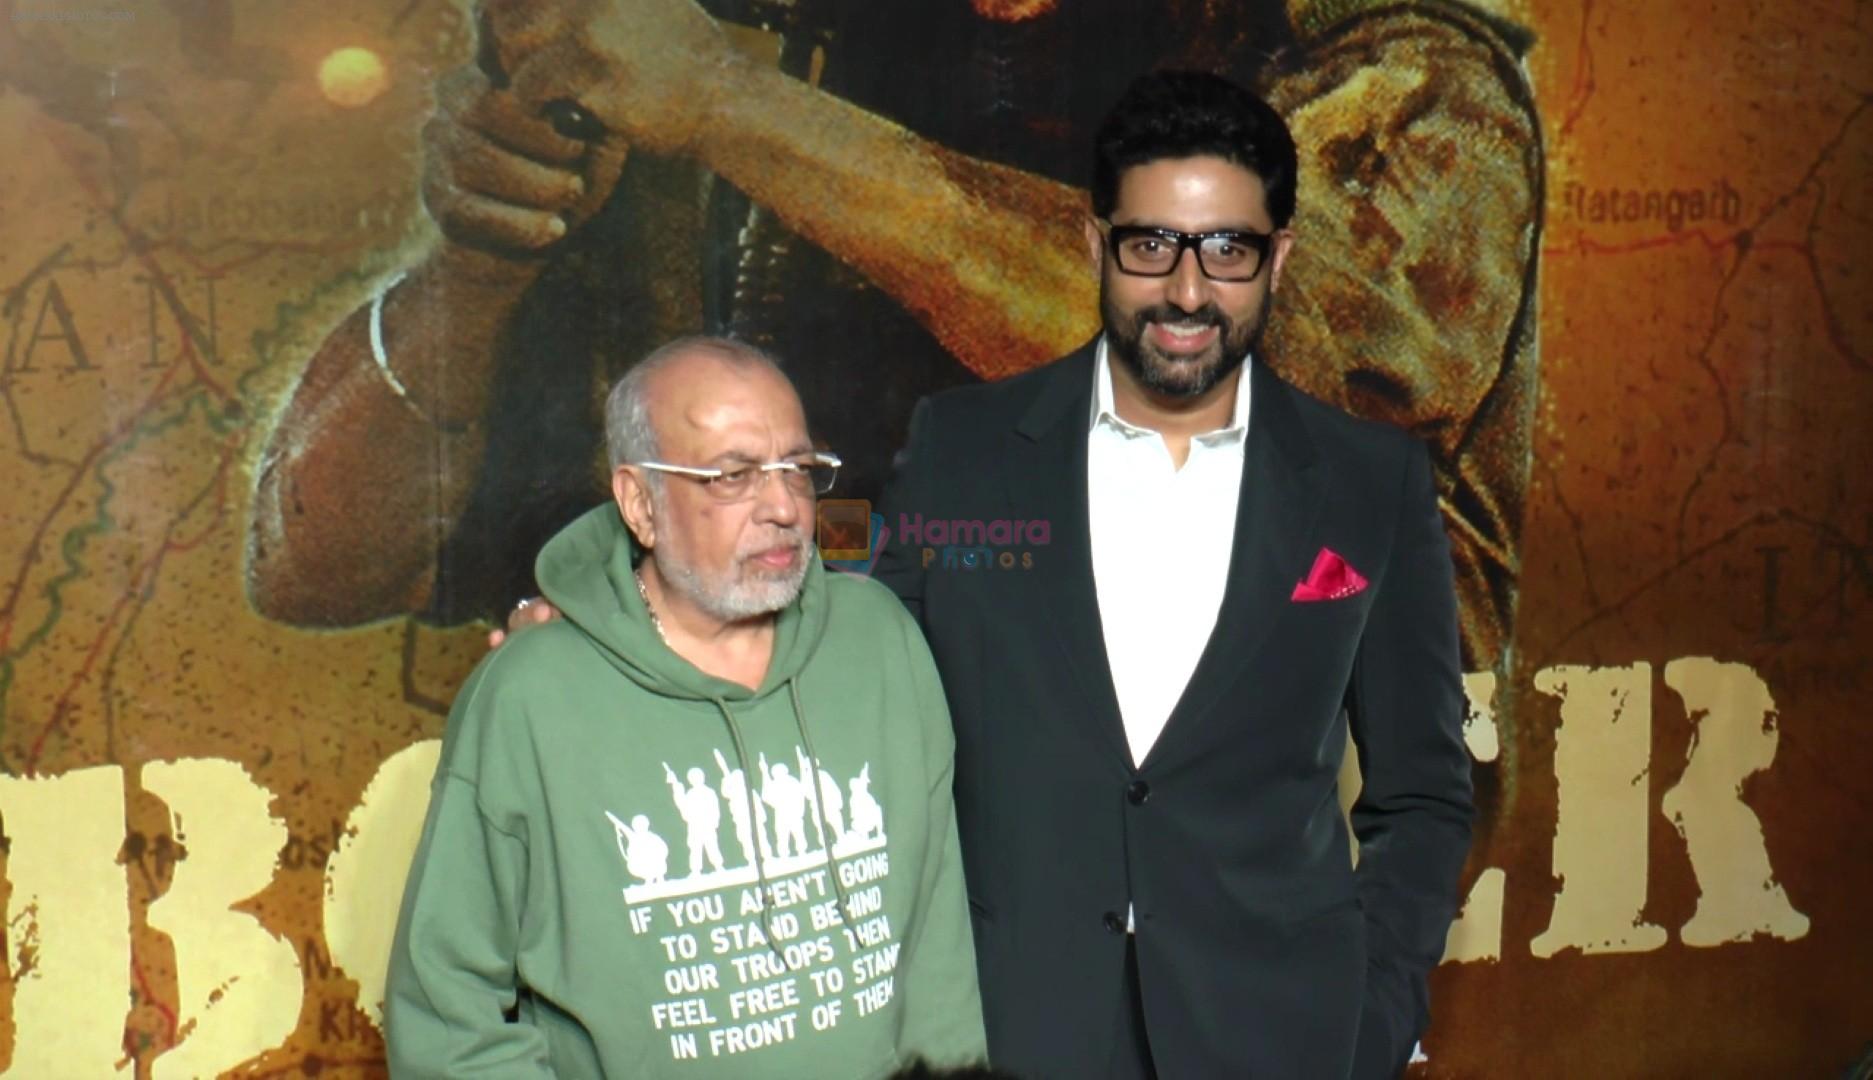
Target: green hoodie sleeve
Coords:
[[452, 976], [943, 1007]]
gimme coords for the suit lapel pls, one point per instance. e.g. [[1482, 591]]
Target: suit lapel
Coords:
[[1276, 513], [1045, 478]]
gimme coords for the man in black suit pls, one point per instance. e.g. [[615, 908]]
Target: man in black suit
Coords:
[[1160, 584]]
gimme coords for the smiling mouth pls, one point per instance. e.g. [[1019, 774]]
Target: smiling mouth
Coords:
[[1183, 337]]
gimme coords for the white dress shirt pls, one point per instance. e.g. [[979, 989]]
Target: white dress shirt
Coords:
[[1161, 540]]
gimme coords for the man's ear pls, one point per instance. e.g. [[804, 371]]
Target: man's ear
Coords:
[[631, 491], [1278, 257], [1095, 246]]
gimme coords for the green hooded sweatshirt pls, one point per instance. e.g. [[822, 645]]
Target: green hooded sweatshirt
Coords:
[[646, 867]]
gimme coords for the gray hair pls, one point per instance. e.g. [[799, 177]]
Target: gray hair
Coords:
[[629, 433]]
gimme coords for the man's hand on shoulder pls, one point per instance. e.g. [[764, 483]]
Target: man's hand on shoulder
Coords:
[[533, 611]]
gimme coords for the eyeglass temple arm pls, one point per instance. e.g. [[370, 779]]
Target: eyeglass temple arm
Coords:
[[820, 458], [684, 470]]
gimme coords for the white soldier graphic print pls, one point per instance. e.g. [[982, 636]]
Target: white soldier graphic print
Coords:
[[791, 818]]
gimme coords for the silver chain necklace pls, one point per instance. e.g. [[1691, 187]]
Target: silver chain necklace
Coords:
[[655, 623]]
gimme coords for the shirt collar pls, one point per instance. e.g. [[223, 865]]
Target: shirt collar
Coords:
[[1106, 414]]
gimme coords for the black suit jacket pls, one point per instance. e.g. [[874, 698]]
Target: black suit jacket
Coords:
[[1260, 951]]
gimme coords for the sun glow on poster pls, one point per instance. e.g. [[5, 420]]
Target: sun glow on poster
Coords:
[[352, 77]]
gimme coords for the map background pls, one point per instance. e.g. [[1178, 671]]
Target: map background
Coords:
[[1704, 399]]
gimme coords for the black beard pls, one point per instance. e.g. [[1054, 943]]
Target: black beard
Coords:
[[1180, 378]]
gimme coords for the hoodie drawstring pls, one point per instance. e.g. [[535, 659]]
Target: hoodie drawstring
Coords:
[[815, 795], [819, 801], [754, 822]]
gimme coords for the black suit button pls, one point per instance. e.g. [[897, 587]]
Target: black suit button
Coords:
[[1137, 792], [1114, 922]]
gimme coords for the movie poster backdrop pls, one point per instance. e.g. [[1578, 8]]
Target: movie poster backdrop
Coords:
[[288, 410]]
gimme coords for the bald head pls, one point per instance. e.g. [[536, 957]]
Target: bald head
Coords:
[[670, 381]]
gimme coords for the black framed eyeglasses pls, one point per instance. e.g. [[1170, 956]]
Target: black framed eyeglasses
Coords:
[[1224, 255], [804, 474]]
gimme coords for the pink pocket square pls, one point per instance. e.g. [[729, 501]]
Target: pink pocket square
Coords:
[[1332, 578]]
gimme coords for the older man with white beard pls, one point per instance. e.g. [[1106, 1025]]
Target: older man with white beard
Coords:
[[698, 628]]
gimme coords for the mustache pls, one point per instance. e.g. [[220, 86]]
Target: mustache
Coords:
[[778, 536], [1209, 314]]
